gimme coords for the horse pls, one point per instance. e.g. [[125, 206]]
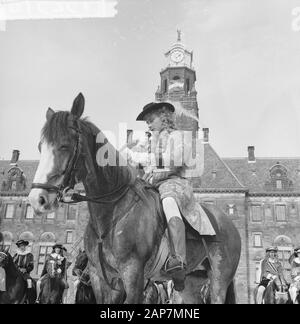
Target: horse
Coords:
[[16, 285], [84, 291], [126, 224], [275, 293], [52, 287]]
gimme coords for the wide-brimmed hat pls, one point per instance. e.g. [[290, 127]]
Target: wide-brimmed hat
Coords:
[[60, 246], [152, 106], [272, 249], [22, 242], [297, 249]]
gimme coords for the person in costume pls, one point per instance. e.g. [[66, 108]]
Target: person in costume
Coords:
[[159, 158], [59, 266], [24, 261], [271, 268], [295, 275]]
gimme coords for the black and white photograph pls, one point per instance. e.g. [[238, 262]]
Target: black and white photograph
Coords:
[[149, 154]]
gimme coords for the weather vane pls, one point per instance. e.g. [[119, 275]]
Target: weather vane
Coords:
[[179, 35]]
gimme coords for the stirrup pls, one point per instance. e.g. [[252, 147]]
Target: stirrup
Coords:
[[181, 266]]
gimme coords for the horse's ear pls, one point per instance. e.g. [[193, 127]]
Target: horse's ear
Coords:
[[6, 249], [78, 106], [50, 113]]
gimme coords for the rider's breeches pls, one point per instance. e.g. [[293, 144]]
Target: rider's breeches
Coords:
[[260, 292], [293, 293], [38, 286], [170, 208]]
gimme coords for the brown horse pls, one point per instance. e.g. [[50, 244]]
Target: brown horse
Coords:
[[126, 225], [275, 293], [84, 291], [16, 286], [52, 286]]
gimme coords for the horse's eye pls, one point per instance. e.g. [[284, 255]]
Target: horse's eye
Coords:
[[64, 148]]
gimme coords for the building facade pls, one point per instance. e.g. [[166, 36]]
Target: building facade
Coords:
[[260, 195]]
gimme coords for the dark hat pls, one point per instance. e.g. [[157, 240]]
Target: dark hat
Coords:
[[152, 106], [272, 248], [22, 242], [297, 250], [60, 246]]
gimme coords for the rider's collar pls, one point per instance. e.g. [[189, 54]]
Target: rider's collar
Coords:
[[57, 256], [19, 252], [297, 260], [272, 260]]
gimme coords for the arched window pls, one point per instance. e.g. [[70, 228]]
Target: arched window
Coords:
[[7, 239], [285, 249], [278, 179], [47, 241]]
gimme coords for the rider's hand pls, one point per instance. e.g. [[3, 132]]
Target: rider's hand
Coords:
[[23, 270], [58, 270]]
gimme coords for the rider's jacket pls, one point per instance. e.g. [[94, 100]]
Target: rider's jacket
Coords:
[[167, 158], [58, 261], [295, 269], [24, 260], [270, 268]]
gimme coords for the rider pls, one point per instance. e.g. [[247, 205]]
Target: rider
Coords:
[[59, 260], [295, 275], [24, 261], [175, 191], [271, 268]]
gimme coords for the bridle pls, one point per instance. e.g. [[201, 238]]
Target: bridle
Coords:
[[69, 180]]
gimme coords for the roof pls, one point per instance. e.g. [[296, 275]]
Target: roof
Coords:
[[256, 174], [217, 174], [28, 168]]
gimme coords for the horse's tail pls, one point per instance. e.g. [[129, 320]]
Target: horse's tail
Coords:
[[230, 294]]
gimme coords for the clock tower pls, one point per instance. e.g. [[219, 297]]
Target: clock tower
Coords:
[[178, 84]]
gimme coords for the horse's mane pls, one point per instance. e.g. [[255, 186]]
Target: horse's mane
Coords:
[[61, 125], [58, 126]]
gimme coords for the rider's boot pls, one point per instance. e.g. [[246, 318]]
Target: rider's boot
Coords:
[[260, 293], [293, 293], [176, 264], [38, 292]]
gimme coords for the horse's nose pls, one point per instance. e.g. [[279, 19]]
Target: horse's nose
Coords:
[[39, 200], [42, 200]]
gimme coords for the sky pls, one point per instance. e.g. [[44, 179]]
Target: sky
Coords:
[[246, 57]]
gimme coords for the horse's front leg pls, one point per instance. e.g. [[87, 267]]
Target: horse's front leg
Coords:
[[132, 272]]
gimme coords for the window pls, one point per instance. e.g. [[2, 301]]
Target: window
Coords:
[[280, 213], [231, 209], [165, 85], [29, 212], [257, 239], [44, 250], [257, 271], [278, 184], [284, 254], [14, 186], [69, 237], [71, 212], [10, 209], [256, 213], [51, 215], [187, 85]]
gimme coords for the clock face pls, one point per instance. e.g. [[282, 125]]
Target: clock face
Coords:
[[177, 56]]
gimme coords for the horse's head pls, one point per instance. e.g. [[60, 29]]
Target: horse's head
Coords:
[[80, 263], [4, 257], [52, 269], [60, 157], [281, 291]]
